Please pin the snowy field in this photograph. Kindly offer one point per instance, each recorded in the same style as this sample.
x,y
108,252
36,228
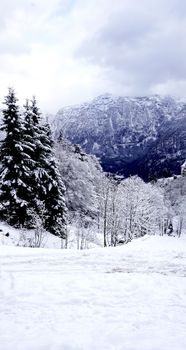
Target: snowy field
x,y
126,298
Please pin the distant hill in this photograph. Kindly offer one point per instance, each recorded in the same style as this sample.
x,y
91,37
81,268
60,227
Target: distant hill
x,y
141,135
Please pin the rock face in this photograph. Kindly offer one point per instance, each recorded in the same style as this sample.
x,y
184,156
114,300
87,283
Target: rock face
x,y
141,135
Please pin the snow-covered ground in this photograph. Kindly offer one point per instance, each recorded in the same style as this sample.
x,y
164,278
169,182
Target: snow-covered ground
x,y
26,238
131,297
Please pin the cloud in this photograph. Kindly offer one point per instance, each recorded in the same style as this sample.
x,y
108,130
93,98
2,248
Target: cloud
x,y
68,51
36,51
141,45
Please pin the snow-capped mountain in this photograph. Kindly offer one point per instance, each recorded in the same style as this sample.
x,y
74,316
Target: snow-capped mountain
x,y
140,135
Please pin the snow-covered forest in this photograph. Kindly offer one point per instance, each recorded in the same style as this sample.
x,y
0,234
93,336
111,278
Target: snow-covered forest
x,y
55,187
128,292
108,210
31,189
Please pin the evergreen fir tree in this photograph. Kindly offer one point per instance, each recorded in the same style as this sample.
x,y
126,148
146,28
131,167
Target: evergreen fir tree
x,y
29,128
40,154
30,183
29,140
15,167
36,115
53,190
49,188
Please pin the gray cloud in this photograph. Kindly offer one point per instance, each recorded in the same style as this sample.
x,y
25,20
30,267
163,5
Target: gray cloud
x,y
68,51
141,46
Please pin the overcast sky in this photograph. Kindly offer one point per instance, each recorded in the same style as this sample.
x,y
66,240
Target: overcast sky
x,y
69,51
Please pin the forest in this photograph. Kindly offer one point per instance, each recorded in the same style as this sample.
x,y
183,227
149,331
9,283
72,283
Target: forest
x,y
54,186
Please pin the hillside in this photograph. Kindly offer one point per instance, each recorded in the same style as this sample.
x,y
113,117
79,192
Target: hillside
x,y
126,298
139,135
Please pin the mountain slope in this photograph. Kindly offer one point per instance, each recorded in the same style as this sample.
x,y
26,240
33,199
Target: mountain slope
x,y
123,132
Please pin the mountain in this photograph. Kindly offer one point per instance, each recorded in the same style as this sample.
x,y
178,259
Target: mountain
x,y
140,135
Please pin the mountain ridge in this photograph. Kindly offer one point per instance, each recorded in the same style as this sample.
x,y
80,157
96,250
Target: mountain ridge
x,y
123,131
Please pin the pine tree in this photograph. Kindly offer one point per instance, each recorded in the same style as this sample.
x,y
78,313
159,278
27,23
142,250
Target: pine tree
x,y
48,187
29,128
15,167
36,115
30,184
29,140
39,157
54,190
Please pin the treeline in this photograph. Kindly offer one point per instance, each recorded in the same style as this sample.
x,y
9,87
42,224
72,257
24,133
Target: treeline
x,y
105,210
31,188
109,210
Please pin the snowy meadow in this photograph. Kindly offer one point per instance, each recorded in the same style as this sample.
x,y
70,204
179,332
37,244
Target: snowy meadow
x,y
131,297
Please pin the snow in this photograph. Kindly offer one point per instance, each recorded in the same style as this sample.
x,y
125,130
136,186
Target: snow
x,y
131,297
17,237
